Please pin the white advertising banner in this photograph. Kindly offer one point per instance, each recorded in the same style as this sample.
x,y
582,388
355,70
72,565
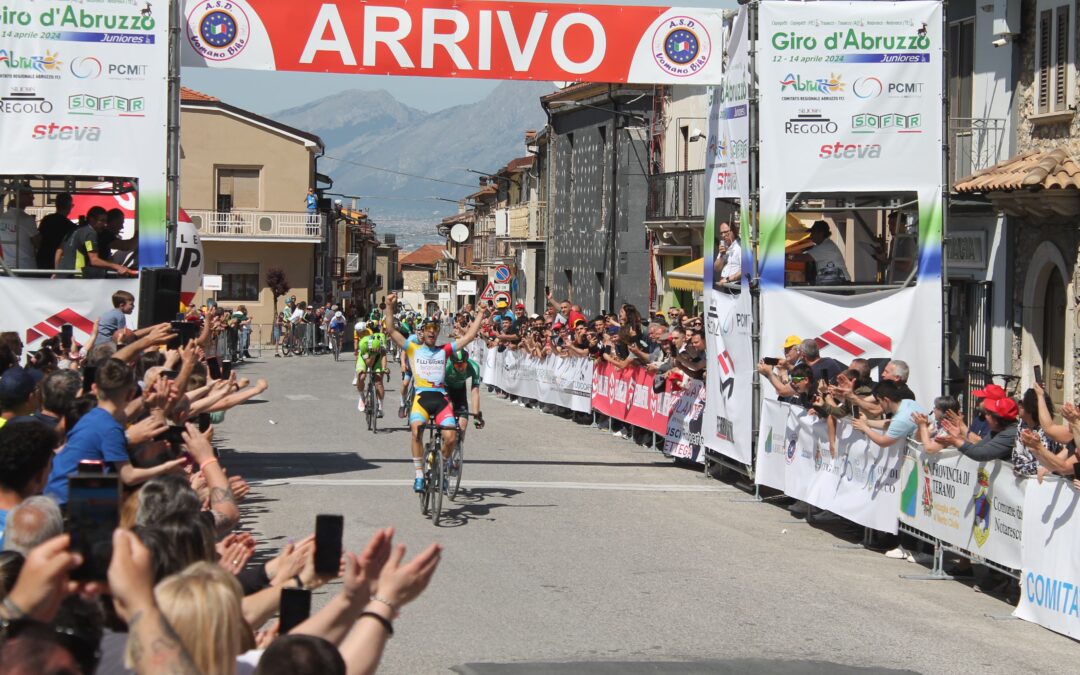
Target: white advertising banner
x,y
565,382
1050,579
861,483
973,506
777,440
37,308
83,92
728,418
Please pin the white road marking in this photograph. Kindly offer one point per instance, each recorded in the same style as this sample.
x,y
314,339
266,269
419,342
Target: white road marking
x,y
300,397
395,482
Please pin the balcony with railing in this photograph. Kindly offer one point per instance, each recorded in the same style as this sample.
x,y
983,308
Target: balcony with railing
x,y
258,225
676,198
430,289
975,143
538,222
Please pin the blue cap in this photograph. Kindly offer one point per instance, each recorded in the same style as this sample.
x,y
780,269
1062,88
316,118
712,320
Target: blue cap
x,y
18,383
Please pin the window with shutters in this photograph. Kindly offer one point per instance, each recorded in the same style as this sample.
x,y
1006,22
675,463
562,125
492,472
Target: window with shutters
x,y
239,281
238,189
1055,52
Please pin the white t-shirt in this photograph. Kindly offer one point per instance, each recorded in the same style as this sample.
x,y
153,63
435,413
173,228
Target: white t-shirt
x,y
17,230
831,267
297,316
733,265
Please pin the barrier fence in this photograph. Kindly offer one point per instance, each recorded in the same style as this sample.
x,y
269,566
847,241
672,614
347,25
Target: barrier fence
x,y
982,511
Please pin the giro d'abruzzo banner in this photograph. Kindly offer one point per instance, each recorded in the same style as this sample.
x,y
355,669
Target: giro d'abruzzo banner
x,y
565,382
1050,577
857,480
38,308
977,507
727,420
850,101
83,93
445,38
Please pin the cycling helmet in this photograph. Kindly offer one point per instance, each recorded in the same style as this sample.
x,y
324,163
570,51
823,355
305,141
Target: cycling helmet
x,y
459,356
375,316
429,321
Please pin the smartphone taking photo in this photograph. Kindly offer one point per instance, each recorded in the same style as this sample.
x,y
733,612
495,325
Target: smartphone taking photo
x,y
1038,376
295,608
93,513
328,532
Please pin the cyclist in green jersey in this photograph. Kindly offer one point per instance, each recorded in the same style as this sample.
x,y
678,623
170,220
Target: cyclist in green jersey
x,y
459,370
371,357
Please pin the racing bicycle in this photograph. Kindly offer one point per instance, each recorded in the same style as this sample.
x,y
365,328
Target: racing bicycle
x,y
371,401
434,473
292,342
335,343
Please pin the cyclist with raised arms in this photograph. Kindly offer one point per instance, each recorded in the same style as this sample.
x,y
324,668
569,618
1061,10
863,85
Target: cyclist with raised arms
x,y
371,358
459,371
429,373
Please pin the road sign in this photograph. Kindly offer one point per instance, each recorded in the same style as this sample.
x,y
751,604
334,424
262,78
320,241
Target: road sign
x,y
467,287
502,274
502,287
489,292
502,296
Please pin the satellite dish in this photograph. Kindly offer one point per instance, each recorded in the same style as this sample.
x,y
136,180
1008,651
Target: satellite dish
x,y
459,233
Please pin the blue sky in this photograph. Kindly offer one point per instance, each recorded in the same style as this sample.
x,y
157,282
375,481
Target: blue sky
x,y
268,92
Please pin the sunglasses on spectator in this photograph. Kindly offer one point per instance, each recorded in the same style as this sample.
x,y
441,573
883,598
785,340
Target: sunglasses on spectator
x,y
798,378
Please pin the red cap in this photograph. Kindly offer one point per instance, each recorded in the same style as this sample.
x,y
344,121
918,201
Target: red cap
x,y
990,392
519,306
1004,408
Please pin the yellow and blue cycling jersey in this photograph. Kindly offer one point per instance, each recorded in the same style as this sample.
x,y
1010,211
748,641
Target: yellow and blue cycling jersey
x,y
429,364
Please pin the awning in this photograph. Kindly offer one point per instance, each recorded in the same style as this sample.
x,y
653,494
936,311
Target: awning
x,y
688,277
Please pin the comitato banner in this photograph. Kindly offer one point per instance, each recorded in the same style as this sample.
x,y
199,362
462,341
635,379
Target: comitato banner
x,y
976,507
83,93
445,38
1050,579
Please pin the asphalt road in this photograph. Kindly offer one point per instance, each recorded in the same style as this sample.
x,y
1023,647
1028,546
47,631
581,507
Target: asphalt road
x,y
571,551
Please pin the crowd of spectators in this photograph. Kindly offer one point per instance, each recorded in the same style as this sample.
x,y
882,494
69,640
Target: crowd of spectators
x,y
670,345
178,591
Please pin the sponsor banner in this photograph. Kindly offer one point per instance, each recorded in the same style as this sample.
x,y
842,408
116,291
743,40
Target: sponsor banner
x,y
849,103
860,482
37,308
777,440
1050,578
904,323
83,91
973,506
727,425
727,422
626,394
559,381
683,437
442,38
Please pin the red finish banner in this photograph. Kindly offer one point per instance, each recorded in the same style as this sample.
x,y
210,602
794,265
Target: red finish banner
x,y
449,38
627,395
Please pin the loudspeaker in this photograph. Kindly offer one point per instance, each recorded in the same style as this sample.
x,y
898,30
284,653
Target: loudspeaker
x,y
159,295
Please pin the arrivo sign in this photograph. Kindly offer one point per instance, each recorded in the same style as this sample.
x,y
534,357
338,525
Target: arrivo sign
x,y
443,38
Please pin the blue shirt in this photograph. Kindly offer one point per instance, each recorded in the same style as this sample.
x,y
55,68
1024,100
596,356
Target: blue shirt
x,y
901,425
312,203
97,436
3,526
110,322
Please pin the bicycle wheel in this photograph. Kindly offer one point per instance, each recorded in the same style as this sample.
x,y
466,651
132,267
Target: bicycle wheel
x,y
369,413
336,345
438,472
458,460
374,408
285,347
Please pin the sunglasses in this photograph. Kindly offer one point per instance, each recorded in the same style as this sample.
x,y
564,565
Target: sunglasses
x,y
798,378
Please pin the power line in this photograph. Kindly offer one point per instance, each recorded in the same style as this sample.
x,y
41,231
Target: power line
x,y
399,173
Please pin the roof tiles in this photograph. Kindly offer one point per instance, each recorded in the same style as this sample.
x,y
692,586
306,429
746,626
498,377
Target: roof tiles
x,y
1033,170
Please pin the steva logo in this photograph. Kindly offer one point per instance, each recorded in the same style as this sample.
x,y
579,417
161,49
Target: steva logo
x,y
847,335
66,132
841,150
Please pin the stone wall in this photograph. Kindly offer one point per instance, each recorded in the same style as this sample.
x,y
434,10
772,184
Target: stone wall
x,y
1040,135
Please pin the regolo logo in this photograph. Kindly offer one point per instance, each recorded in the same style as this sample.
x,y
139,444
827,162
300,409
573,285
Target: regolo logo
x,y
841,150
66,132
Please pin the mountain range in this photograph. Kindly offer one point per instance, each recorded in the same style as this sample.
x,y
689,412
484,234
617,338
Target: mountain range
x,y
366,129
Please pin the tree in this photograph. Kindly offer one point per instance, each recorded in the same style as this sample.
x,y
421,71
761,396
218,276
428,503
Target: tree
x,y
279,286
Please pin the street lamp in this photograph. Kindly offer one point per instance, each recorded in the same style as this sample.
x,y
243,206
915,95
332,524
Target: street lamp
x,y
485,174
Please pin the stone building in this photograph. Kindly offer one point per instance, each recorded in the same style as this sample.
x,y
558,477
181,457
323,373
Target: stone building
x,y
1038,191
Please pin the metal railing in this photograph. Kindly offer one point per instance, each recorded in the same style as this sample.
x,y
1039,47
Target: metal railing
x,y
975,143
538,224
258,224
676,196
430,289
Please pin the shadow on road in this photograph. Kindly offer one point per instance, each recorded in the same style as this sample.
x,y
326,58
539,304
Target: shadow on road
x,y
472,504
534,462
269,465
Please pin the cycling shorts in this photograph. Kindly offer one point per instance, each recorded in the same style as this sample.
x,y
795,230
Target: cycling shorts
x,y
428,405
459,399
361,365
